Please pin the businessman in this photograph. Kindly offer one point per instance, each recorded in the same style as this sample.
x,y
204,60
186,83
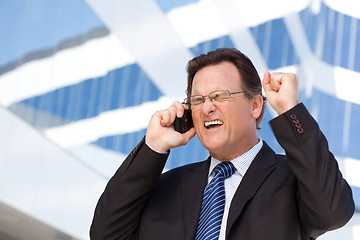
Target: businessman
x,y
243,190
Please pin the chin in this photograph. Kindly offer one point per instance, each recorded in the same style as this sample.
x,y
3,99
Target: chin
x,y
214,146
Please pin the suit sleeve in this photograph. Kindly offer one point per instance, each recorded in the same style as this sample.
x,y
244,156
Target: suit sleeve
x,y
324,197
117,214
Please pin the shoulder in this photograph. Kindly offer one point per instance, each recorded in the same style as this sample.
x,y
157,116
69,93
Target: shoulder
x,y
172,183
177,173
283,169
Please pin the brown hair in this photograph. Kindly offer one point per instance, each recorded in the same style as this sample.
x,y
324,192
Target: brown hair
x,y
251,82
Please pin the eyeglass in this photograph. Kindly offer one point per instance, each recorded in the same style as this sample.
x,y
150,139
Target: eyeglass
x,y
218,96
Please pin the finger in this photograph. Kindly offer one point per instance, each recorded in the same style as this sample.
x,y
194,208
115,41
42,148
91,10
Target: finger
x,y
292,77
186,106
162,116
179,108
275,85
171,115
276,80
166,116
189,135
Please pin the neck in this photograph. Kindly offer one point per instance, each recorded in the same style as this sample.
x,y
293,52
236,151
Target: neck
x,y
228,156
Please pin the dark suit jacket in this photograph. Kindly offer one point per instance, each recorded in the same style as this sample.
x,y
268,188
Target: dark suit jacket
x,y
297,196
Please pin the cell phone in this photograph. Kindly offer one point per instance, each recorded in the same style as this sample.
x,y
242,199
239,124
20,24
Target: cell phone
x,y
185,123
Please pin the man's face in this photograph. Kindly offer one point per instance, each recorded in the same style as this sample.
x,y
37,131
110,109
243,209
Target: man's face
x,y
233,122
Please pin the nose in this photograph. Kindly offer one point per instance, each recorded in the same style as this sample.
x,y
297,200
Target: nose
x,y
208,106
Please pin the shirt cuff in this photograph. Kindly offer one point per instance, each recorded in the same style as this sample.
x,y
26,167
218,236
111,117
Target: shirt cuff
x,y
154,149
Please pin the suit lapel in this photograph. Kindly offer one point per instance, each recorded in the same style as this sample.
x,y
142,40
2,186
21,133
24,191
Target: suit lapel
x,y
263,164
193,184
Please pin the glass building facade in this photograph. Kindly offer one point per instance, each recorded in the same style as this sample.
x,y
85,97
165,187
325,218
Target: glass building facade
x,y
85,77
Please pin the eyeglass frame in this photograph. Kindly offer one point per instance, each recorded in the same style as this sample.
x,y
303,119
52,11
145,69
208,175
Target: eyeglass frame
x,y
188,100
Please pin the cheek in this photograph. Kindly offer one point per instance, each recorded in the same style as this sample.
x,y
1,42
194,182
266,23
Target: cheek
x,y
196,119
238,117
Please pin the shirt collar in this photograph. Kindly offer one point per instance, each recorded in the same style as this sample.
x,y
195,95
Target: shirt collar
x,y
242,162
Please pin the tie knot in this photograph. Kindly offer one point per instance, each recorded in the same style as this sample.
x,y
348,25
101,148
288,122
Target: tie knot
x,y
224,169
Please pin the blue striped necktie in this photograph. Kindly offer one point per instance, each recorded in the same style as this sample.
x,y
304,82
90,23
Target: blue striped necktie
x,y
212,207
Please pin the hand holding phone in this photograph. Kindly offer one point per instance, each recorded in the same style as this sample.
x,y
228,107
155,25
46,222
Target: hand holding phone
x,y
184,123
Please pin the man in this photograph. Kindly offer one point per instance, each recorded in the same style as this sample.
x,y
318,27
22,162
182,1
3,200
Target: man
x,y
269,196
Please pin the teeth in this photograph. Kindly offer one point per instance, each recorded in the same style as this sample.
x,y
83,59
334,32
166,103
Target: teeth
x,y
210,123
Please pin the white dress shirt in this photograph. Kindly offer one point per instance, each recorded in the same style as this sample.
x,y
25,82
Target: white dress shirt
x,y
241,163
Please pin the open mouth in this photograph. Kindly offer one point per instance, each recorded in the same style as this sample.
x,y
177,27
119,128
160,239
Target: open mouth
x,y
212,124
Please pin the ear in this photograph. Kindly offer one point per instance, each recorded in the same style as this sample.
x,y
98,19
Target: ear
x,y
257,104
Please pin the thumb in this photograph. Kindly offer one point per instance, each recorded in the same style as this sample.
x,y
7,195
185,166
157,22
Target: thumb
x,y
188,135
266,81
